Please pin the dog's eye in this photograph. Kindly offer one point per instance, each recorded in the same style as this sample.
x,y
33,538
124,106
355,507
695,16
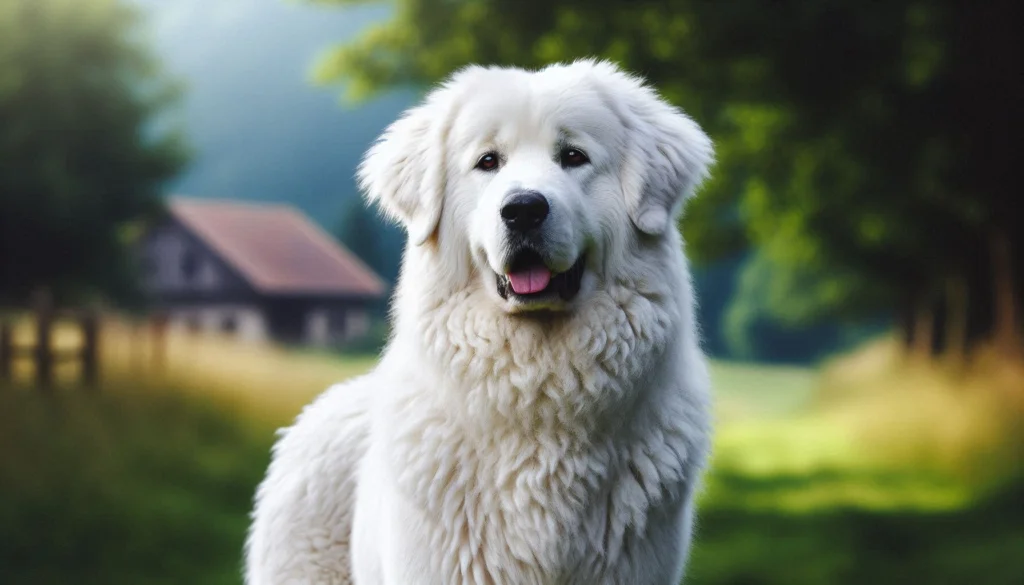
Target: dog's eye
x,y
487,162
573,157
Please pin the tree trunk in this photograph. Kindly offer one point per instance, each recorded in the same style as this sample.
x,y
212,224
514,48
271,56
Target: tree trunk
x,y
905,322
924,331
1006,333
956,318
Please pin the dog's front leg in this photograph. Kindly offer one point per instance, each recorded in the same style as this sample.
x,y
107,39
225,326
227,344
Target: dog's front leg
x,y
369,533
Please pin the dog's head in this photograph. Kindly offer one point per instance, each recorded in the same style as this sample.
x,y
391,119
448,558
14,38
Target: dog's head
x,y
536,185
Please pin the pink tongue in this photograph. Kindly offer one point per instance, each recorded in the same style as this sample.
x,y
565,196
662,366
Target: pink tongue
x,y
530,281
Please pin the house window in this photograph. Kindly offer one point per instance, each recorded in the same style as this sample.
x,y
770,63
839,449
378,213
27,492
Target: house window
x,y
340,323
149,267
189,265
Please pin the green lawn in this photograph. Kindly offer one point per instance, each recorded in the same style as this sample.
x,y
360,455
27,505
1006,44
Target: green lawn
x,y
130,489
755,391
152,485
979,544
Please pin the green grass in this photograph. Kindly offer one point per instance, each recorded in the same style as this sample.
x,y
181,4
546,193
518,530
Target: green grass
x,y
132,489
151,483
872,471
978,544
755,391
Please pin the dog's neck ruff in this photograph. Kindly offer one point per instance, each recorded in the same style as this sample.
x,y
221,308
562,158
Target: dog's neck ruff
x,y
563,408
557,371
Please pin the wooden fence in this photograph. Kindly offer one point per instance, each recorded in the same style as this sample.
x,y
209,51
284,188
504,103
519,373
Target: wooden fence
x,y
42,353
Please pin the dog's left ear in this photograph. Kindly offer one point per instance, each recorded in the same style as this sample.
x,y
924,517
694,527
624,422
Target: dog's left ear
x,y
404,171
669,155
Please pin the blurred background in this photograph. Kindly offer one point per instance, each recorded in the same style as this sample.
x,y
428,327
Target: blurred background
x,y
185,262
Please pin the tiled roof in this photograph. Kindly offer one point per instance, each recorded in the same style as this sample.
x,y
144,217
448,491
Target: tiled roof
x,y
277,249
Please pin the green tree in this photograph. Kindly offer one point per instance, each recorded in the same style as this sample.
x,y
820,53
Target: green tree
x,y
880,176
85,145
863,147
359,230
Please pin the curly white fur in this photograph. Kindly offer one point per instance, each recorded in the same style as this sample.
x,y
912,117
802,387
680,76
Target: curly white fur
x,y
489,446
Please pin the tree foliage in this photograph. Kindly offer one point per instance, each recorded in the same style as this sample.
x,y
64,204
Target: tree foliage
x,y
84,148
360,232
864,148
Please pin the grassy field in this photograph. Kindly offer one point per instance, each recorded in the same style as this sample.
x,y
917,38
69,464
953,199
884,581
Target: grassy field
x,y
123,489
867,471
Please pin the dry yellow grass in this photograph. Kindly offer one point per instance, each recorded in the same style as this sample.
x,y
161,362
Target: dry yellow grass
x,y
269,381
953,418
899,433
936,434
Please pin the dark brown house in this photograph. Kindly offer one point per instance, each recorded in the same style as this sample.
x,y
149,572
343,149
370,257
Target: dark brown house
x,y
258,271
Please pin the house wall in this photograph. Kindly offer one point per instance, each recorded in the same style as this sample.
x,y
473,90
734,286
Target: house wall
x,y
196,290
241,321
175,264
320,326
331,325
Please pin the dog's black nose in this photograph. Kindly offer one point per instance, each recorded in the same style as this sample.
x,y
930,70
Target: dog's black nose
x,y
525,210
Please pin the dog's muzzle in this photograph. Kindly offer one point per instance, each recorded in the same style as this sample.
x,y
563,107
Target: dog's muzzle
x,y
529,279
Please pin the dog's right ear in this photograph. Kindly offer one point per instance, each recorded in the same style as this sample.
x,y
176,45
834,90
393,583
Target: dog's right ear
x,y
404,172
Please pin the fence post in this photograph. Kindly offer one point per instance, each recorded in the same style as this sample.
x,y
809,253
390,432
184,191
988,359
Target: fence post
x,y
158,332
44,356
6,351
137,347
90,348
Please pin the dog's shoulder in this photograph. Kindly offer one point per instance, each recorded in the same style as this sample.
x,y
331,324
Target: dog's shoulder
x,y
304,505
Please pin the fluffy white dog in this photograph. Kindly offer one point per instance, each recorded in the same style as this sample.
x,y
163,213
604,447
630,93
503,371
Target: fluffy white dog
x,y
541,413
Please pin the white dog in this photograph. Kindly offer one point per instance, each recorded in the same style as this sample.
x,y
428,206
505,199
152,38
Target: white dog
x,y
541,413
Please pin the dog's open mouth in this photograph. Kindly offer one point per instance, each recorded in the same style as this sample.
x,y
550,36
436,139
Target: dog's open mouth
x,y
530,279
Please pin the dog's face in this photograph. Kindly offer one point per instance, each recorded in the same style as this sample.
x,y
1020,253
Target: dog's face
x,y
540,183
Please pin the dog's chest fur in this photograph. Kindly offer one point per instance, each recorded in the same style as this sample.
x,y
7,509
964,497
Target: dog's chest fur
x,y
590,435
